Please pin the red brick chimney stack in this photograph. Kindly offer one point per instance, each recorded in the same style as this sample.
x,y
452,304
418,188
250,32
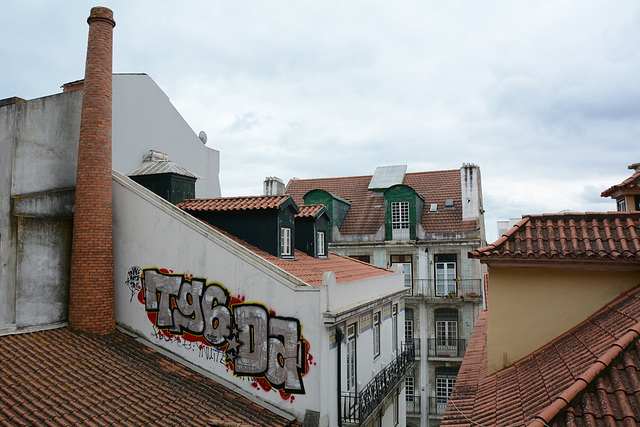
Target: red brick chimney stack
x,y
91,291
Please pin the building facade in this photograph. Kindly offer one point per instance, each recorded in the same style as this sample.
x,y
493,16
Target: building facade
x,y
423,224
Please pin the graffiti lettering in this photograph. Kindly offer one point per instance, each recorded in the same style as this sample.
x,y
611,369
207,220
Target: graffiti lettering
x,y
256,343
133,280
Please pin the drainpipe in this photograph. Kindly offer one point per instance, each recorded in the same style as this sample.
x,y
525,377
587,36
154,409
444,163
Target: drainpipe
x,y
339,337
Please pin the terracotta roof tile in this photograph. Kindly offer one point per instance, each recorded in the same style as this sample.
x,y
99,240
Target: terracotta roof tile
x,y
309,211
595,368
631,183
366,214
233,203
569,236
74,386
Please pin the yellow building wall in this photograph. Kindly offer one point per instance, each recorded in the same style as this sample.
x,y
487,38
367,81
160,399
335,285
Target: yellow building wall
x,y
528,307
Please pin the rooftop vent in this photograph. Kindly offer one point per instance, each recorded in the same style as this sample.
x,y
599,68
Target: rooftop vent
x,y
448,204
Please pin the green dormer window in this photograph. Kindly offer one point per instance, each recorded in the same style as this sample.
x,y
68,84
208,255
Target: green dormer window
x,y
403,211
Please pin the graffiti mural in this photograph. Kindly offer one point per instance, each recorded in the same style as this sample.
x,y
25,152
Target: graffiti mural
x,y
256,343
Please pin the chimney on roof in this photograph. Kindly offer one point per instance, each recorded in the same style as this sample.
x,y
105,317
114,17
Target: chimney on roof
x,y
471,193
273,186
91,289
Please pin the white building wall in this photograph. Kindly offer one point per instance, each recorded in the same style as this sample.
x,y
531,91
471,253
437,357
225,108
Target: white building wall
x,y
144,119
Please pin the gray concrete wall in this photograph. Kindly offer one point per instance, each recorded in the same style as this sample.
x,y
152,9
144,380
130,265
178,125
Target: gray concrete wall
x,y
38,157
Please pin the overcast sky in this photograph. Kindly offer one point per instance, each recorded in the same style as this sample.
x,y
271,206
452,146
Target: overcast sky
x,y
543,95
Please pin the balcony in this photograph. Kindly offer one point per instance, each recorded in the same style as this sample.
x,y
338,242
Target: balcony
x,y
444,347
437,405
454,289
357,407
413,405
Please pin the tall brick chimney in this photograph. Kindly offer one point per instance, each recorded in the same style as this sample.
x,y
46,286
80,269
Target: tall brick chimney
x,y
91,290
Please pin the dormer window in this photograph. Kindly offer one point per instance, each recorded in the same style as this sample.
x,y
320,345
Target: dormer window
x,y
448,204
400,220
622,204
320,243
285,241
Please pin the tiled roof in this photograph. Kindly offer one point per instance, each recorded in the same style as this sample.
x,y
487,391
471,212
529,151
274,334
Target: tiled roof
x,y
160,167
631,183
366,214
569,236
588,376
233,203
309,211
58,377
310,270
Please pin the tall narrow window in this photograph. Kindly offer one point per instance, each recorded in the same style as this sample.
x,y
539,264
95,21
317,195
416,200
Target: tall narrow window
x,y
407,267
445,274
394,326
351,357
400,220
396,410
446,332
408,325
409,387
376,334
445,380
285,241
320,243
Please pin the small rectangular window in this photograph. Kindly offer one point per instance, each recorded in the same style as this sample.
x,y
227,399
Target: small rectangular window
x,y
320,243
376,334
622,204
433,207
448,204
285,241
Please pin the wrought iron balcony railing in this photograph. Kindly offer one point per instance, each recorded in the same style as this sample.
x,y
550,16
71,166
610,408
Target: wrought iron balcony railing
x,y
357,406
413,404
437,405
445,347
456,289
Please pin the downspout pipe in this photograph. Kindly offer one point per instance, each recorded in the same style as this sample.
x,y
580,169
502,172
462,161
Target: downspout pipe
x,y
339,337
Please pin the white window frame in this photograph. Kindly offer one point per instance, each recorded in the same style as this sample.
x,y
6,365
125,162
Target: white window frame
x,y
285,241
622,204
408,330
445,278
400,221
410,390
444,387
396,410
351,357
447,337
376,335
320,242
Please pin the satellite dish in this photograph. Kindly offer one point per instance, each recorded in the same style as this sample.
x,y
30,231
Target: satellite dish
x,y
203,136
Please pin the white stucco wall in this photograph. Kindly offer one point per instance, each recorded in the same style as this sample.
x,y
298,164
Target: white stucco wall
x,y
144,119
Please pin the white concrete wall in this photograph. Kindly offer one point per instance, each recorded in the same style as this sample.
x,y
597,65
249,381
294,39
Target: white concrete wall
x,y
144,119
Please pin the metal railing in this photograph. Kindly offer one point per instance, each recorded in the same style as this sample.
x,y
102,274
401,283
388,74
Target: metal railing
x,y
445,347
413,404
357,406
437,405
456,289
